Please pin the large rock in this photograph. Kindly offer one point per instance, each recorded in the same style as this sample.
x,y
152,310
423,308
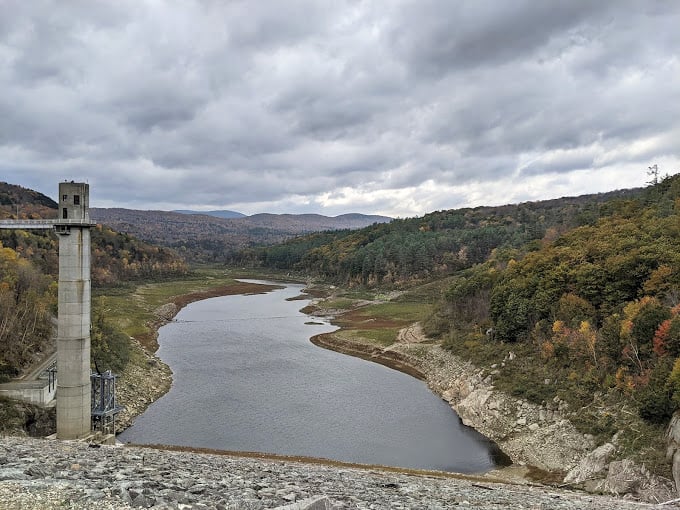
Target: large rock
x,y
592,466
315,503
673,451
625,477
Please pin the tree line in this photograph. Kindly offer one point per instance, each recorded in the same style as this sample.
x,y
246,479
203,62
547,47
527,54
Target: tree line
x,y
418,249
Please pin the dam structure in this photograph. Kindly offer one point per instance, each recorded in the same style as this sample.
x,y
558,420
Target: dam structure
x,y
73,325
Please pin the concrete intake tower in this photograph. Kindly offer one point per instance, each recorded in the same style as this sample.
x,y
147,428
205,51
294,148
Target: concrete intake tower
x,y
73,331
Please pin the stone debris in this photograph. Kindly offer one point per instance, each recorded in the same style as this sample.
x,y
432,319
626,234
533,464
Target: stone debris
x,y
47,474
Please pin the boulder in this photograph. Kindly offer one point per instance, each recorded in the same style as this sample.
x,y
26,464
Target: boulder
x,y
592,466
315,503
624,477
673,451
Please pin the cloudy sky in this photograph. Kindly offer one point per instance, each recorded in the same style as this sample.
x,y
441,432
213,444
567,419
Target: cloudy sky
x,y
381,107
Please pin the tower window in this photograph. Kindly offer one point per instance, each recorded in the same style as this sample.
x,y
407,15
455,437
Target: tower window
x,y
64,213
64,197
76,199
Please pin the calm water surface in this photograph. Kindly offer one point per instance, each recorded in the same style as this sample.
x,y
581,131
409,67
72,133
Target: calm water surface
x,y
247,378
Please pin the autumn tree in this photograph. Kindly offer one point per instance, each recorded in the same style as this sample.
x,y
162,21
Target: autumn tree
x,y
26,299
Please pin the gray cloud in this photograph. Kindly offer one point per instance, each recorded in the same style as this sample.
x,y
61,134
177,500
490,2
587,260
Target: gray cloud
x,y
396,107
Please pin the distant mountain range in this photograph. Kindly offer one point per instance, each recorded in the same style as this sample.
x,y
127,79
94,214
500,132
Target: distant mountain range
x,y
204,236
222,213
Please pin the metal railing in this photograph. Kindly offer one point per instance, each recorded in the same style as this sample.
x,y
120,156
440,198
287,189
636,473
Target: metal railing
x,y
43,224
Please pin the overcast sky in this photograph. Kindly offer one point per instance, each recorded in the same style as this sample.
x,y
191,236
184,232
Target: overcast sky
x,y
381,107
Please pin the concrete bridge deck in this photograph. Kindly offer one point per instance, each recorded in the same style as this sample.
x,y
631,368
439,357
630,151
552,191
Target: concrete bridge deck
x,y
40,389
43,224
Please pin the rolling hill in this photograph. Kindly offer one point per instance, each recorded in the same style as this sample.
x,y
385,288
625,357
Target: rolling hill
x,y
222,213
209,238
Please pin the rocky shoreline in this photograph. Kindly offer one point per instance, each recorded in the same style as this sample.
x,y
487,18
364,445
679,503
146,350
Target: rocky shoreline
x,y
539,437
48,474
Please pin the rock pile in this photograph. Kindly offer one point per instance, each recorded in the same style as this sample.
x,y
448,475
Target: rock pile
x,y
46,474
140,385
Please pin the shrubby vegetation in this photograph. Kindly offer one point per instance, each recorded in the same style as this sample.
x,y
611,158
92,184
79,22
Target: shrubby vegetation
x,y
110,346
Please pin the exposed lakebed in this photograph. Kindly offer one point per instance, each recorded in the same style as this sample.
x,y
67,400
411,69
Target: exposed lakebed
x,y
247,378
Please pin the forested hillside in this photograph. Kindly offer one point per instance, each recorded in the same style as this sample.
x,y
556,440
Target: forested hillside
x,y
585,291
437,244
597,306
115,257
27,301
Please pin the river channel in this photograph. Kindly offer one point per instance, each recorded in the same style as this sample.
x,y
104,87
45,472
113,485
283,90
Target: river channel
x,y
247,378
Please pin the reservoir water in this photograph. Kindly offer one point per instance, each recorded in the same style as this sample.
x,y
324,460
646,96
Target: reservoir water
x,y
247,378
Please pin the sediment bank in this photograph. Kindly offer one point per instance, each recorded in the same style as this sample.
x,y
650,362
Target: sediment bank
x,y
392,359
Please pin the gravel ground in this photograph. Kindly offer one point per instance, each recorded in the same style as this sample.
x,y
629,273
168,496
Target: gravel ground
x,y
47,474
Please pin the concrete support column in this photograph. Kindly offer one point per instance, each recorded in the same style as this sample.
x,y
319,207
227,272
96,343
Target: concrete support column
x,y
73,335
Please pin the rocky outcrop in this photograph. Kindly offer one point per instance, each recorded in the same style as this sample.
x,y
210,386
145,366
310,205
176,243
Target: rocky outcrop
x,y
540,436
592,465
166,312
598,473
673,451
